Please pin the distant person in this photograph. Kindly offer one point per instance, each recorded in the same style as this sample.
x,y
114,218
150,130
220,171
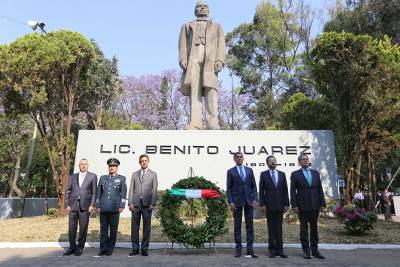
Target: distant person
x,y
359,199
387,204
80,198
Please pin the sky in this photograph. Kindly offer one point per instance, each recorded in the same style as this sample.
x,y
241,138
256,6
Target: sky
x,y
142,34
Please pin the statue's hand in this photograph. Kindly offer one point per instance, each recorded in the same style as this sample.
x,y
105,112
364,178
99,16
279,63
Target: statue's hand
x,y
183,64
218,66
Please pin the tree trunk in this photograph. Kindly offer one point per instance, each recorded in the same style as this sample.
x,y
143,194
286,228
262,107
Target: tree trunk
x,y
371,181
17,171
27,172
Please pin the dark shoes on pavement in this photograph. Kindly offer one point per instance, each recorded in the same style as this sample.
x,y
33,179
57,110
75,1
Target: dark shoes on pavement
x,y
272,254
69,252
306,254
251,254
145,253
318,255
136,252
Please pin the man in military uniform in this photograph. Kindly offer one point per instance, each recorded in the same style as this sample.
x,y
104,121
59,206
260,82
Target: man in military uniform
x,y
110,202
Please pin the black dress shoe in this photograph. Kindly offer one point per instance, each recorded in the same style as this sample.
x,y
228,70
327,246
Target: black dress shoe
x,y
101,253
317,255
69,252
306,254
78,252
238,254
251,254
145,253
271,254
108,253
134,252
282,254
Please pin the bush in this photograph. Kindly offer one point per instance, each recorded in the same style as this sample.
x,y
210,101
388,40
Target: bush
x,y
356,221
291,216
52,213
331,204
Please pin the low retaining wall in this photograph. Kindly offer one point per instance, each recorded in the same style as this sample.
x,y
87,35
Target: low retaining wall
x,y
33,207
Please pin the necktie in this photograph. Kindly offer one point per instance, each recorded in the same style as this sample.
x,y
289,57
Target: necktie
x,y
141,176
275,178
308,176
242,173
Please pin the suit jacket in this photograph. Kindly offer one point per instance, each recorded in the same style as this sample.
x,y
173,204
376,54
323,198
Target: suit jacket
x,y
303,196
275,198
111,193
238,192
86,194
215,51
147,189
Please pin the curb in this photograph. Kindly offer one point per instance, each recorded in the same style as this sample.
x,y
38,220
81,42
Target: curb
x,y
154,246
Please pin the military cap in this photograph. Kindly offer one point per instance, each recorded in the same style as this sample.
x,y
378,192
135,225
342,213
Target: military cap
x,y
113,161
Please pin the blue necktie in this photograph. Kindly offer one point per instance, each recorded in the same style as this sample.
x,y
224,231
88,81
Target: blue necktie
x,y
308,176
242,173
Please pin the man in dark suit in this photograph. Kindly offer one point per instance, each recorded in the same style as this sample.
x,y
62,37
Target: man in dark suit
x,y
274,199
79,199
307,199
142,199
110,202
241,191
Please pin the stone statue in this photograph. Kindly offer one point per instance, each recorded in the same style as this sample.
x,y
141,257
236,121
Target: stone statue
x,y
201,57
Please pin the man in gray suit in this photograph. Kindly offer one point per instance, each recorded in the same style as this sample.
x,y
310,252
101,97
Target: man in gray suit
x,y
80,197
142,200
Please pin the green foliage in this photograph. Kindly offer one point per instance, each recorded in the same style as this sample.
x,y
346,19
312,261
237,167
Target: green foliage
x,y
373,17
196,235
360,77
303,113
265,55
291,217
53,213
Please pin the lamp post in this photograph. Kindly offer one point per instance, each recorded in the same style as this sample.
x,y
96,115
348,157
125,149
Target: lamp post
x,y
37,24
232,106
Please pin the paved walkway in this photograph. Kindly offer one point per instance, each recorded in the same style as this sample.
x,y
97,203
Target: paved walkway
x,y
52,257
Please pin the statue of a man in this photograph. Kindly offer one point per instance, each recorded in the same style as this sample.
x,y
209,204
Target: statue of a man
x,y
201,57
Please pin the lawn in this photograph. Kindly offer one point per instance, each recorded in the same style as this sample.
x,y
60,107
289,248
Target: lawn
x,y
47,229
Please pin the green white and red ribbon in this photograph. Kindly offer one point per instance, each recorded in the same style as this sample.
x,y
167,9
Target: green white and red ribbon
x,y
194,193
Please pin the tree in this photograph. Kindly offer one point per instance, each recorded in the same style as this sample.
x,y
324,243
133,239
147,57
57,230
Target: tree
x,y
374,17
266,53
104,86
45,76
153,101
303,113
360,77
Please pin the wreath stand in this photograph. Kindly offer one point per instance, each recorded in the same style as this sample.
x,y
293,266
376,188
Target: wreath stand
x,y
211,245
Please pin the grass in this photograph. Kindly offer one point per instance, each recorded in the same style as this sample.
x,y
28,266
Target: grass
x,y
45,229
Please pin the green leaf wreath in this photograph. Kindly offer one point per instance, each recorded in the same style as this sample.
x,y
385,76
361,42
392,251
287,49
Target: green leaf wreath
x,y
193,235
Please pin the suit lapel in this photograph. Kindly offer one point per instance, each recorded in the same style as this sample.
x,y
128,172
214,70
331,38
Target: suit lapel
x,y
77,179
305,178
235,170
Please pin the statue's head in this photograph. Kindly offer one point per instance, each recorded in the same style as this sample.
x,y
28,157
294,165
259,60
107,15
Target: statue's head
x,y
201,10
